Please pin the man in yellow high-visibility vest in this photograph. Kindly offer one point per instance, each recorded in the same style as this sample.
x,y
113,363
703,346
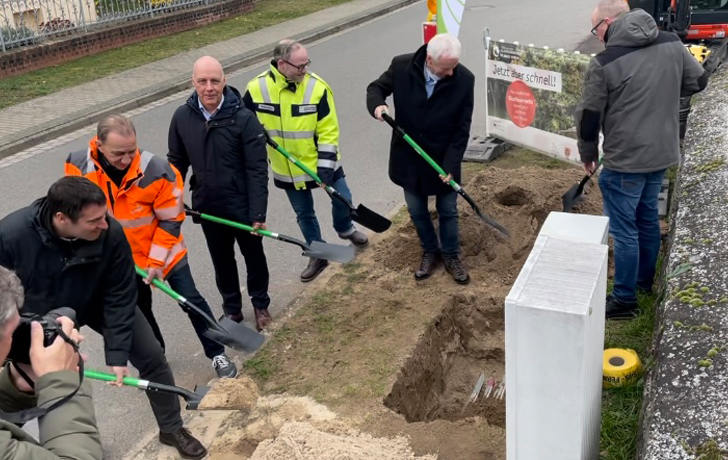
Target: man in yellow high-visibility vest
x,y
297,110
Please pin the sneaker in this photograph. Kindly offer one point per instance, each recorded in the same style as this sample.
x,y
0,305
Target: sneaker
x,y
620,310
225,368
359,239
455,267
186,444
314,268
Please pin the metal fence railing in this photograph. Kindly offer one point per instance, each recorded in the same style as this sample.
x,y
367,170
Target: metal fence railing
x,y
24,22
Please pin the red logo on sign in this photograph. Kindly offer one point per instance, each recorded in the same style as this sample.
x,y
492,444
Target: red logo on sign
x,y
521,104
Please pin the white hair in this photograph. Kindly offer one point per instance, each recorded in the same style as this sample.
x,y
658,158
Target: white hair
x,y
443,46
11,296
611,8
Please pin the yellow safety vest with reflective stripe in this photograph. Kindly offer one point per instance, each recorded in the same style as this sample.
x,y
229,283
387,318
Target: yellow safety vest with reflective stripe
x,y
302,119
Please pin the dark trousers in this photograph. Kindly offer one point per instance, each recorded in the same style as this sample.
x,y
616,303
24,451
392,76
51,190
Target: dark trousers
x,y
447,210
221,243
181,281
146,355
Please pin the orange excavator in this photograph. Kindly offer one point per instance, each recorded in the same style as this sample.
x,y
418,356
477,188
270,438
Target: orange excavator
x,y
702,25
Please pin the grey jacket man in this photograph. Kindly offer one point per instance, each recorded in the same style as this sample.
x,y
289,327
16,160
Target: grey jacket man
x,y
632,92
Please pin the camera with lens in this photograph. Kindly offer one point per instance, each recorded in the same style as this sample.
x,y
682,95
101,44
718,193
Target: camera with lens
x,y
20,349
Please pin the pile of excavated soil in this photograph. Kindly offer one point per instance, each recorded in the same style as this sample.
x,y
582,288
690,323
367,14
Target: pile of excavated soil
x,y
231,394
301,441
396,357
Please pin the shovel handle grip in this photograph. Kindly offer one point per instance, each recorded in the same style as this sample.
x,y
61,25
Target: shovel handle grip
x,y
292,159
106,377
418,149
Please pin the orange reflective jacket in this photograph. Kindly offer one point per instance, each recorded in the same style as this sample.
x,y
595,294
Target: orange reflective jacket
x,y
149,204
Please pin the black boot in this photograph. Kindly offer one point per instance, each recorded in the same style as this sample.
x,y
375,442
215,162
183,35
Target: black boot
x,y
186,444
455,267
620,310
314,268
427,265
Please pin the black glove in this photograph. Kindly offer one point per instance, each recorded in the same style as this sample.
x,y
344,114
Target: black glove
x,y
326,175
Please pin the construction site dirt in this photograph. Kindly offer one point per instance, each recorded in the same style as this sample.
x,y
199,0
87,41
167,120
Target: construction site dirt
x,y
383,366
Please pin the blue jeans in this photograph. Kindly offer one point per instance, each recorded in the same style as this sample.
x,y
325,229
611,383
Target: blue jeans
x,y
302,202
447,211
181,281
630,202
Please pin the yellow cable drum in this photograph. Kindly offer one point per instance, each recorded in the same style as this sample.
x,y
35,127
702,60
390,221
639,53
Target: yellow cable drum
x,y
621,367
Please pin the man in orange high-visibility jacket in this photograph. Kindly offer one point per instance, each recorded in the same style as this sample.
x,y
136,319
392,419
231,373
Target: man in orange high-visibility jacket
x,y
145,194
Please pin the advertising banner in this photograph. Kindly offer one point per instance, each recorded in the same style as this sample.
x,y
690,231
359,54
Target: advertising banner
x,y
532,94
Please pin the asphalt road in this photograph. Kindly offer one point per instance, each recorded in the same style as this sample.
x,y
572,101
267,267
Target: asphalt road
x,y
348,61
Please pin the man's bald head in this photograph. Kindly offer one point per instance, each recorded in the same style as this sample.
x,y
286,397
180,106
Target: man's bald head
x,y
605,13
209,80
207,63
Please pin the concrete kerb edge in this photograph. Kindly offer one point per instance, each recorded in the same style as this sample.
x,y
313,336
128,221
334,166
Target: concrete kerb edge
x,y
178,84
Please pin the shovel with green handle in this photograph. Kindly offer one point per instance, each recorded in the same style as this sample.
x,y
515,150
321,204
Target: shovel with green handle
x,y
226,332
317,249
192,398
361,214
461,191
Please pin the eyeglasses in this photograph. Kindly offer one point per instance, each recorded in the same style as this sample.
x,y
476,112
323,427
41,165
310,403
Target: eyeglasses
x,y
594,29
301,67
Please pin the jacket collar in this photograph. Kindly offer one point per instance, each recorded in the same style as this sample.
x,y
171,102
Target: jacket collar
x,y
230,104
133,173
281,81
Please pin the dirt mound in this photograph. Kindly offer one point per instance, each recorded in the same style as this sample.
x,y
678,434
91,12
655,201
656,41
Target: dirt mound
x,y
399,358
519,199
231,394
301,441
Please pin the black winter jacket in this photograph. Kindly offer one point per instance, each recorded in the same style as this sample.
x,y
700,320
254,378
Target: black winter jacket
x,y
440,124
94,278
228,158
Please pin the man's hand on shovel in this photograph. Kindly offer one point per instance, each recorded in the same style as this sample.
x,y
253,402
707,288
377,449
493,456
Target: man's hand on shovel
x,y
154,272
259,226
379,111
446,179
590,167
120,372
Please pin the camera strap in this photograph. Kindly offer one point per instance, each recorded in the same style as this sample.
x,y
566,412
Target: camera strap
x,y
24,416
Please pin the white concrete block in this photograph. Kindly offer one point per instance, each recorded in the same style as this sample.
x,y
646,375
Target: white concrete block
x,y
554,332
576,227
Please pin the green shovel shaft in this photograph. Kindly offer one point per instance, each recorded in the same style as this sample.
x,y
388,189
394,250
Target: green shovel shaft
x,y
158,283
231,223
130,381
422,153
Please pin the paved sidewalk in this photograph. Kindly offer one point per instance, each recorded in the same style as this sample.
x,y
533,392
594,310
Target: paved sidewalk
x,y
38,120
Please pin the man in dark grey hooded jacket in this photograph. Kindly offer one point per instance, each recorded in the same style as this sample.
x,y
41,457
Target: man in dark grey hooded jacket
x,y
631,93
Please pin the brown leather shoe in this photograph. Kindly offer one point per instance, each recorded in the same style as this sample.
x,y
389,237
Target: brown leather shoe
x,y
237,317
427,265
186,444
455,267
314,268
262,318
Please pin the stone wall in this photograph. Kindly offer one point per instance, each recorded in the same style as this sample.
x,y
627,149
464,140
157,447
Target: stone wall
x,y
685,411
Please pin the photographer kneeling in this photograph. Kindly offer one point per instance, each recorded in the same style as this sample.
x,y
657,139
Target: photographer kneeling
x,y
67,431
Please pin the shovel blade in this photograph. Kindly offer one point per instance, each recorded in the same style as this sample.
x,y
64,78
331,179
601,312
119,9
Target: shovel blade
x,y
332,252
194,398
572,197
234,335
370,219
